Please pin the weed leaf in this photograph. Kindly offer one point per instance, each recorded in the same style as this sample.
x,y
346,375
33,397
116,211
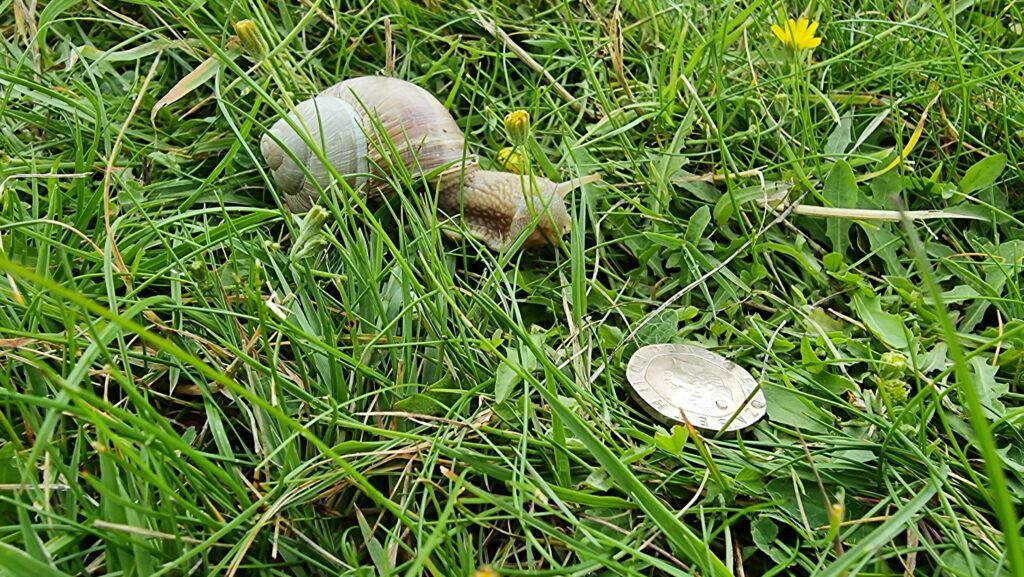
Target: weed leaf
x,y
983,174
840,190
887,327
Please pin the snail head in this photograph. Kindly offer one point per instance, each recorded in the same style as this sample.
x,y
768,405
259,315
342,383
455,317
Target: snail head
x,y
546,202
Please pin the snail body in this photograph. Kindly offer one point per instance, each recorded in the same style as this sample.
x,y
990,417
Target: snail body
x,y
365,126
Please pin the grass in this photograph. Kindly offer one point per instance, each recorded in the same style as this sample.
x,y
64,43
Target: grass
x,y
185,392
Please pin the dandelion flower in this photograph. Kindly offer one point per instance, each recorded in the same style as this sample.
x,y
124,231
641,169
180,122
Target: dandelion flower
x,y
797,35
518,125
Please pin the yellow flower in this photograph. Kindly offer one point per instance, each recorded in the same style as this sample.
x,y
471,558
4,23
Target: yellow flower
x,y
798,35
518,125
512,160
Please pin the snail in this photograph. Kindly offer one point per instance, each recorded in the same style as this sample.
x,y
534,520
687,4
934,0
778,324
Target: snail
x,y
361,123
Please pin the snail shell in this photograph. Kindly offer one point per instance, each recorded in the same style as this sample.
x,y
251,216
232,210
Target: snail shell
x,y
334,126
369,127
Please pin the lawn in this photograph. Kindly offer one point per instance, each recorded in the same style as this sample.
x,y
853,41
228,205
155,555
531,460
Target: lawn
x,y
196,381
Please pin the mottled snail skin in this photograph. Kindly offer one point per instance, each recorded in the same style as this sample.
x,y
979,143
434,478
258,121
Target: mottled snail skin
x,y
500,210
361,123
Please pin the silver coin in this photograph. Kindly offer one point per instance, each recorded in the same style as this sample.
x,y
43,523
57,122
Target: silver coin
x,y
679,383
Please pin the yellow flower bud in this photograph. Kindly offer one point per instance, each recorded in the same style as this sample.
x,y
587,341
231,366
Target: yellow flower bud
x,y
512,160
251,39
838,511
518,125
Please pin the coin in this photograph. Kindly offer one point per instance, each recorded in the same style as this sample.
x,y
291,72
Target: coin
x,y
679,383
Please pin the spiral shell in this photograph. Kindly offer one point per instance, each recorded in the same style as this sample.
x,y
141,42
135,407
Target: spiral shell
x,y
406,126
371,128
366,126
331,124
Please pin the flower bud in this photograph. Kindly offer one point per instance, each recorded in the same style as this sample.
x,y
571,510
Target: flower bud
x,y
512,160
836,514
251,39
897,361
310,239
894,391
517,124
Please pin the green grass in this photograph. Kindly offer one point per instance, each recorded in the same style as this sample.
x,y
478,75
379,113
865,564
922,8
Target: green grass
x,y
180,394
